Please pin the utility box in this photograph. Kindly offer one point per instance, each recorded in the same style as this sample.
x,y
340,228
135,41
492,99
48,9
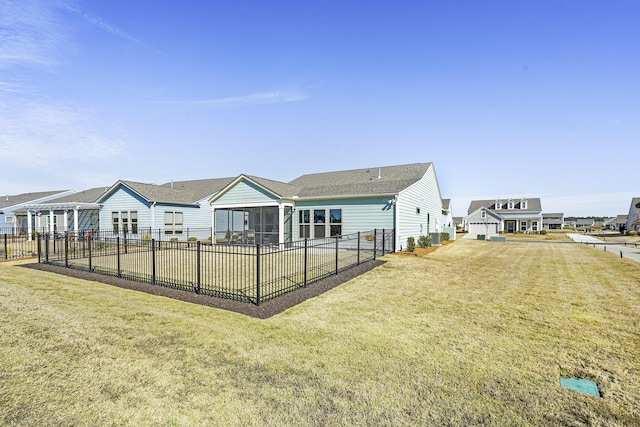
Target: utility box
x,y
480,237
498,239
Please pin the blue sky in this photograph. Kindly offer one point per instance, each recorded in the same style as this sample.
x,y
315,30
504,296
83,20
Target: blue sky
x,y
506,98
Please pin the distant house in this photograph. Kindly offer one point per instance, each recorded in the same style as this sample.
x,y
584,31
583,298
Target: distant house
x,y
633,219
620,222
74,212
11,221
584,222
491,217
447,214
405,198
553,221
175,210
458,221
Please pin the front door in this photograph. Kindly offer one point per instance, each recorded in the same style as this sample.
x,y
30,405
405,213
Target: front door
x,y
511,227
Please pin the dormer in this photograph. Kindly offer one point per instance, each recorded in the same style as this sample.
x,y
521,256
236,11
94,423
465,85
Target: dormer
x,y
510,204
498,204
523,203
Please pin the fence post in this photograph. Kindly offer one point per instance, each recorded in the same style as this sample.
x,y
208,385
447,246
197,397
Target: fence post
x,y
153,261
383,237
124,233
198,265
90,260
394,240
118,255
337,255
358,248
304,280
258,274
46,248
39,248
6,249
66,250
375,242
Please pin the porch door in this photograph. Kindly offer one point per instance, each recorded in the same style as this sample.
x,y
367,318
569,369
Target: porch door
x,y
511,226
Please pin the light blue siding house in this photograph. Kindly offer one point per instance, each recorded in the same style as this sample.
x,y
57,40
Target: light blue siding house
x,y
75,212
13,218
405,198
173,210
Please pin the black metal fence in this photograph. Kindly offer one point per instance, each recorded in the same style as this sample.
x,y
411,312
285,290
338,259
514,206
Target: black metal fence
x,y
253,274
16,245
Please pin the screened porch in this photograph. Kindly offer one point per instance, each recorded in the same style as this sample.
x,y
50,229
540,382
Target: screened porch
x,y
263,225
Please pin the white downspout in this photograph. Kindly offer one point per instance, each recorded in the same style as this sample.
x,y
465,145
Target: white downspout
x,y
281,223
29,227
397,221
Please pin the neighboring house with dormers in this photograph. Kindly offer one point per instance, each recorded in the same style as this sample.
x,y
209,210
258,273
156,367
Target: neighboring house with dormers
x,y
172,210
633,218
11,205
490,217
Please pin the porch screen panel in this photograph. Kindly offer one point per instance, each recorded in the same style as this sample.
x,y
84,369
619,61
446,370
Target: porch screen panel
x,y
319,221
304,223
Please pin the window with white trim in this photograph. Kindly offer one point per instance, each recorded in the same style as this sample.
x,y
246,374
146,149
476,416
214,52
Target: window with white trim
x,y
483,214
173,222
304,221
523,204
319,221
498,204
124,221
510,204
523,225
534,225
335,222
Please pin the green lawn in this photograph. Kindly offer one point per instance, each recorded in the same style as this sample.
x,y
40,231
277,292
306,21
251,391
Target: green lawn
x,y
475,333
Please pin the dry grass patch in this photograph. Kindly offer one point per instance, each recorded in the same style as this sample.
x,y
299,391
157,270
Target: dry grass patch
x,y
472,334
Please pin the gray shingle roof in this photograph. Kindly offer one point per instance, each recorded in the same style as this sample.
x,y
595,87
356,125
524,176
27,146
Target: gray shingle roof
x,y
533,205
200,188
160,194
282,189
25,198
86,196
384,180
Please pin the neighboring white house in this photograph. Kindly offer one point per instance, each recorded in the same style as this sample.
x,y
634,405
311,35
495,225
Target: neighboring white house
x,y
491,217
633,219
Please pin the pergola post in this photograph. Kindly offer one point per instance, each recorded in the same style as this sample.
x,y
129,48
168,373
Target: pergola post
x,y
29,227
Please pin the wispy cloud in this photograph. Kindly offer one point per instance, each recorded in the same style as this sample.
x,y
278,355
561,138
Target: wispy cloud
x,y
103,25
274,97
42,135
30,34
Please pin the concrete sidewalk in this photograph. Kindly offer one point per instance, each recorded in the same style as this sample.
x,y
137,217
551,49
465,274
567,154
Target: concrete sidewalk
x,y
630,251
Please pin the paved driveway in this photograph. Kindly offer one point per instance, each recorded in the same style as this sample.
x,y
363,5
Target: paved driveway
x,y
630,251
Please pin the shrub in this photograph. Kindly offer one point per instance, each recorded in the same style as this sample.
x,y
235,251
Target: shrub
x,y
543,232
444,236
192,239
146,238
173,239
633,233
424,241
411,244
